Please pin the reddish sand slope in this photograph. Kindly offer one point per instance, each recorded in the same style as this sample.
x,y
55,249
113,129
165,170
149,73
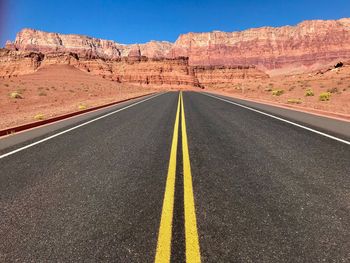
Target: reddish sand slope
x,y
55,90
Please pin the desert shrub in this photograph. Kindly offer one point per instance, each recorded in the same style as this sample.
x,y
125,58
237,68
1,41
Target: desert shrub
x,y
309,93
291,88
42,93
277,92
325,96
16,95
82,106
39,117
294,101
6,85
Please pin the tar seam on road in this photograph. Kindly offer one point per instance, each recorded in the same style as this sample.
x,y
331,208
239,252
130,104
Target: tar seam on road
x,y
191,233
75,127
164,246
281,119
165,229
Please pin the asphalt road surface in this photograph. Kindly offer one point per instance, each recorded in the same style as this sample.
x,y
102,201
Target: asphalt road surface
x,y
173,178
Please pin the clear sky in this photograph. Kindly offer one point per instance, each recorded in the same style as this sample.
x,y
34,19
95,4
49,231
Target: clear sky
x,y
140,21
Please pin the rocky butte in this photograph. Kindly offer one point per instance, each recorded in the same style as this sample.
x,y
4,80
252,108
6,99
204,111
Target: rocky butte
x,y
195,59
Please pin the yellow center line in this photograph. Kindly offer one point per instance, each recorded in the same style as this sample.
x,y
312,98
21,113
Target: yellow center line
x,y
165,229
163,253
191,233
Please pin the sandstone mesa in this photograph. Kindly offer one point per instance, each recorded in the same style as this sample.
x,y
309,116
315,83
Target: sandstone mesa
x,y
195,59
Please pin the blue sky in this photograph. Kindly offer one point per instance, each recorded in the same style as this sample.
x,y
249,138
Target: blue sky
x,y
141,21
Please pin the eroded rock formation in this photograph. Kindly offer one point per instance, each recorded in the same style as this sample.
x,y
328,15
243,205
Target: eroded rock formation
x,y
212,75
309,43
269,48
142,70
134,69
194,59
14,63
84,46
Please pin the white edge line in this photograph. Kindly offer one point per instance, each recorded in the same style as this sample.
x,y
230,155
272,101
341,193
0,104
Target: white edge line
x,y
75,127
281,119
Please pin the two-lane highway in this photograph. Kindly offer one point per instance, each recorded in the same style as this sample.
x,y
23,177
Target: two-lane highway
x,y
173,178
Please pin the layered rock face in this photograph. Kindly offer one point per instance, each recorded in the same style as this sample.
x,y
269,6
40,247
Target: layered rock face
x,y
14,63
136,63
309,43
212,75
134,69
269,48
194,59
84,46
157,72
143,71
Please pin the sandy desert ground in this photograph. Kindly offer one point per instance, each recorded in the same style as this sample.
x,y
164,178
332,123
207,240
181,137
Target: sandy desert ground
x,y
294,89
56,90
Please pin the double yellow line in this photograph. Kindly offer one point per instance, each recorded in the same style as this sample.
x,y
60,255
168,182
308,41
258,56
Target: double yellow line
x,y
163,253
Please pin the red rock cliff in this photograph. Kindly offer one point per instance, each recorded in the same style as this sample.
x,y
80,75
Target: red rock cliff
x,y
134,69
215,75
84,46
269,48
305,45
